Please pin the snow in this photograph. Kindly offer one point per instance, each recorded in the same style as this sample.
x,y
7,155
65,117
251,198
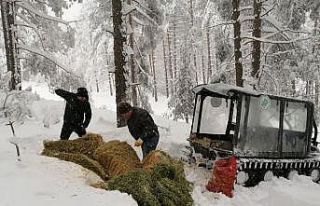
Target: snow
x,y
38,180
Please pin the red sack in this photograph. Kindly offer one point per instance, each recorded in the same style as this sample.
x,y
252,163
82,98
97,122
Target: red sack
x,y
223,176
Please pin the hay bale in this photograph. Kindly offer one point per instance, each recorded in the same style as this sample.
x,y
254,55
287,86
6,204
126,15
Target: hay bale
x,y
170,185
160,182
85,145
172,193
137,183
156,157
114,157
117,158
163,184
168,171
82,160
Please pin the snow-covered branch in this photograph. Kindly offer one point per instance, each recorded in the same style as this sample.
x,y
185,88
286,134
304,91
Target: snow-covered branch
x,y
27,6
146,8
109,30
138,21
45,55
146,15
264,40
275,83
268,10
141,69
127,9
245,8
221,24
281,52
272,21
34,27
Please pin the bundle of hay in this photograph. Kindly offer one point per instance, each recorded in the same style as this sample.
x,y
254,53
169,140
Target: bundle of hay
x,y
105,159
117,158
82,160
161,185
156,157
158,180
137,183
85,145
170,185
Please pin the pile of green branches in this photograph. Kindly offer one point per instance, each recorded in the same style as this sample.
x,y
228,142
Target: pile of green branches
x,y
163,185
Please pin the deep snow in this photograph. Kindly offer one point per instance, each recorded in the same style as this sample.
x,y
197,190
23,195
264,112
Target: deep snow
x,y
39,180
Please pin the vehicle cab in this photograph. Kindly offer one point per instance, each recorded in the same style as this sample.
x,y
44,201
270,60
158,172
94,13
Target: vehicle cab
x,y
233,120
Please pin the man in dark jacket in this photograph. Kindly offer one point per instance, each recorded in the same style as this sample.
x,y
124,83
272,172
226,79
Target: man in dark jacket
x,y
77,113
141,126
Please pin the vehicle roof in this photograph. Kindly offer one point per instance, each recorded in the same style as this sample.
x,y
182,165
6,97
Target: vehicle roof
x,y
227,90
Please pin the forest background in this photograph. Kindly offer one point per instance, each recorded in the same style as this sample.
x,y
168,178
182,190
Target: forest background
x,y
142,49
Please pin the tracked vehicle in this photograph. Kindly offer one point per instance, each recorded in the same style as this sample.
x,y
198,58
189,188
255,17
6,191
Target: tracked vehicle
x,y
269,135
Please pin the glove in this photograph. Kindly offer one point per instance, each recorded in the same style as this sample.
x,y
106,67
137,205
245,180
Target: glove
x,y
138,143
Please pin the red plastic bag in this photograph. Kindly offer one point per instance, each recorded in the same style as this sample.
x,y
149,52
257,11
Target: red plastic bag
x,y
223,176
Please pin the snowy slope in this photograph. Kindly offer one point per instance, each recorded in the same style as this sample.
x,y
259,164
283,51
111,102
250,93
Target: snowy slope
x,y
39,180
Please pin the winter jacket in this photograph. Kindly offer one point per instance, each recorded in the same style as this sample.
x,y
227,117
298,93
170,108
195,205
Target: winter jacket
x,y
76,112
141,125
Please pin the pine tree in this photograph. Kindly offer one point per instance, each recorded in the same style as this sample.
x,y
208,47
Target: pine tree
x,y
182,100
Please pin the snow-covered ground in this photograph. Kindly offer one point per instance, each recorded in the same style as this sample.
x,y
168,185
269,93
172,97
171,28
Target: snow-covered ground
x,y
37,180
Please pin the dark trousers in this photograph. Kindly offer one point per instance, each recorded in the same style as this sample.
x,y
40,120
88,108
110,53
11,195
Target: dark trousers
x,y
149,145
68,128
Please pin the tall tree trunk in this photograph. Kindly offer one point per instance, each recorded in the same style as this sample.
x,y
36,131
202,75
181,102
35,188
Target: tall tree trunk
x,y
193,42
293,87
108,64
10,40
154,75
97,81
203,69
170,63
195,65
209,72
110,83
256,47
134,95
17,51
186,117
317,90
317,80
175,69
151,70
237,42
165,68
119,57
191,12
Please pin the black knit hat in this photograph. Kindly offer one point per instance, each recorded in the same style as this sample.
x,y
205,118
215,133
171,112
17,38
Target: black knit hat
x,y
124,107
82,92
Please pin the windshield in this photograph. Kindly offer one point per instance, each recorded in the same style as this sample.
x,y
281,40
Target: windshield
x,y
214,115
259,125
294,127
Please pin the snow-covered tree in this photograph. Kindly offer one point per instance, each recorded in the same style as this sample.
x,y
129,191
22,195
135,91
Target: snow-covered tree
x,y
182,101
35,32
